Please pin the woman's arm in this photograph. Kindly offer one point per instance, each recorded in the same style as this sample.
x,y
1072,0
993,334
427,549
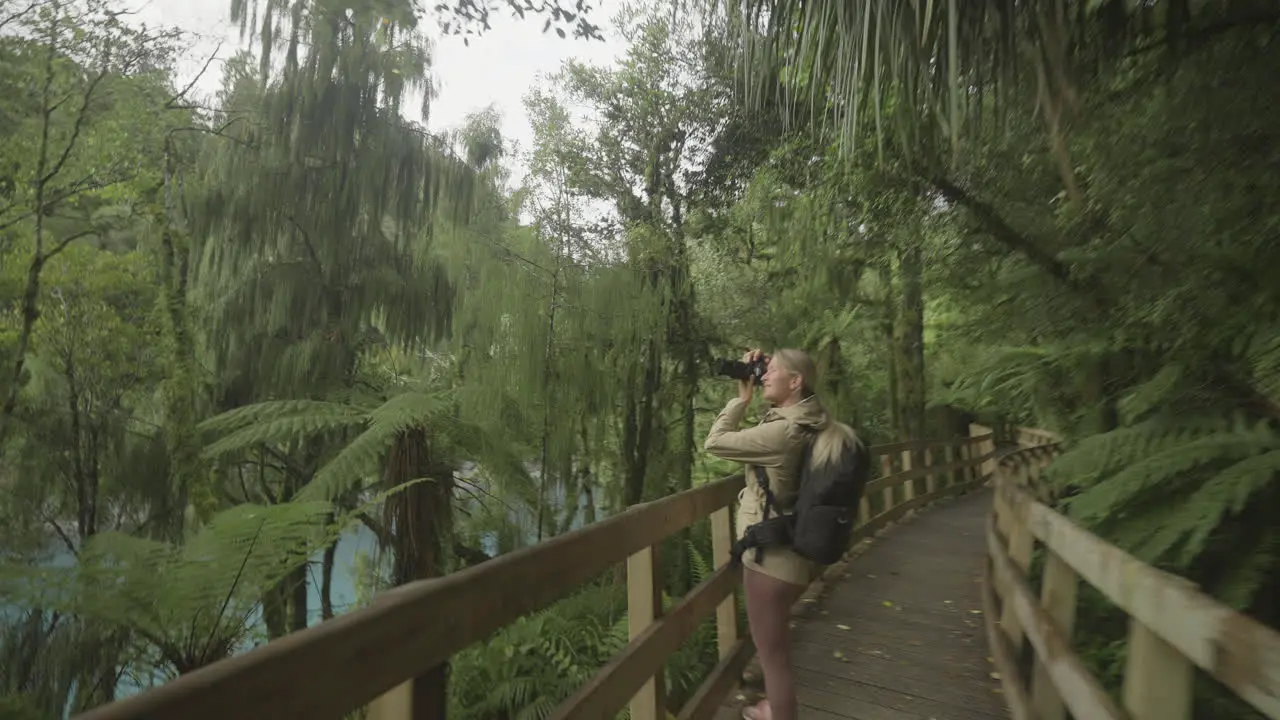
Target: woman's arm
x,y
764,445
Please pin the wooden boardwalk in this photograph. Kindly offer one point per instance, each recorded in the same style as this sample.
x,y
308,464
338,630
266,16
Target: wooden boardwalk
x,y
900,635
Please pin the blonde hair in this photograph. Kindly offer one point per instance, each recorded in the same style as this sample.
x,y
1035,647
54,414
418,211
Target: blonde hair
x,y
799,362
832,438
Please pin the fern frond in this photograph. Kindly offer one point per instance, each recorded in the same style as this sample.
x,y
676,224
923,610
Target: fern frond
x,y
277,410
1099,455
1151,394
363,455
1247,571
697,563
1198,515
289,428
204,588
1110,498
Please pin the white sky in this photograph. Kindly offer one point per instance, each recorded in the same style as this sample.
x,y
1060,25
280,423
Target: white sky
x,y
497,68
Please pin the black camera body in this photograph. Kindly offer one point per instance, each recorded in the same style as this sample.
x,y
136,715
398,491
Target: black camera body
x,y
739,370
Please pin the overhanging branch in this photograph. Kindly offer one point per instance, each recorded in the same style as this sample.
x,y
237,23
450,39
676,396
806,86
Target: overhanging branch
x,y
1002,231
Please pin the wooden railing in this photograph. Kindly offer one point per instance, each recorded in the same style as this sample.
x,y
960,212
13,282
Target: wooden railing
x,y
1173,627
370,657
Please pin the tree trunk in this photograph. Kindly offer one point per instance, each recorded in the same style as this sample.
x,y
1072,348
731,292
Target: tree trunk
x,y
274,611
638,437
326,576
419,520
298,587
908,337
831,374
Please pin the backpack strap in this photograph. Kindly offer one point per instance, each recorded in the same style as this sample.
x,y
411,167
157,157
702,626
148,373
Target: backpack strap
x,y
762,480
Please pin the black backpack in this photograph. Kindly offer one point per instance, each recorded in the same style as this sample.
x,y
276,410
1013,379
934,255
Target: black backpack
x,y
826,507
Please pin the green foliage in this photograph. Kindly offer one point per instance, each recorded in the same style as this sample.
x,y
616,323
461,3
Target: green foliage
x,y
538,661
191,602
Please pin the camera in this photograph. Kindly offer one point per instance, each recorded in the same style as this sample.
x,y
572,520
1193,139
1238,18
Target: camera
x,y
739,370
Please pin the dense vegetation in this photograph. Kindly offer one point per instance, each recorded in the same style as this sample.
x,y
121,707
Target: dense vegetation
x,y
238,332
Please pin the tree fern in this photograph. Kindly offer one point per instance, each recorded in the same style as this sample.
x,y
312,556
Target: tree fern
x,y
1151,394
698,564
247,415
192,601
1183,494
1161,471
1250,569
281,430
1093,457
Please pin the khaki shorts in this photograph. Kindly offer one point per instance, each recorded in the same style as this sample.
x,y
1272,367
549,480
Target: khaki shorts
x,y
778,562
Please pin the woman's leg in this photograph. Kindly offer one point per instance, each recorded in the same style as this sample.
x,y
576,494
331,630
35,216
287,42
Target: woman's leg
x,y
769,617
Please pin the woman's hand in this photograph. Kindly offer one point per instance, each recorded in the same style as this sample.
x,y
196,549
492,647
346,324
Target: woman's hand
x,y
747,387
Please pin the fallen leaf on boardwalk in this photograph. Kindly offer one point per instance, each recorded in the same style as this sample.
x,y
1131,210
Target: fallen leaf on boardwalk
x,y
995,676
888,604
740,696
842,626
873,577
991,660
975,612
837,655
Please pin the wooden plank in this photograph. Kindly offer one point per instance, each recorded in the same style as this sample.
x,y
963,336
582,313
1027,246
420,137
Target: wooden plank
x,y
1157,678
915,658
1002,654
644,605
727,611
889,479
909,486
1083,694
1058,590
353,658
1020,547
1237,650
897,447
396,704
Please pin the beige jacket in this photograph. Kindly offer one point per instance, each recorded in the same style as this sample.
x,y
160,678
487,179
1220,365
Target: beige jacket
x,y
777,444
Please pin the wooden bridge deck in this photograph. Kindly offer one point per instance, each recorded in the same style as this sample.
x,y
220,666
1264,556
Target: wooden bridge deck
x,y
900,635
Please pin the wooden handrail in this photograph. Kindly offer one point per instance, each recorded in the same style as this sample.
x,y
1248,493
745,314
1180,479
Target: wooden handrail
x,y
1173,626
370,656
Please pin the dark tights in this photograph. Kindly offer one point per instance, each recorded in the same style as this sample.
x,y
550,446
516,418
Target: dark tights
x,y
769,603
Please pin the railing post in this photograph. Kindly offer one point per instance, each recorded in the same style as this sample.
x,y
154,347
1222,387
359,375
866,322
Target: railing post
x,y
886,469
988,447
1020,546
395,704
644,605
1058,597
930,480
1157,678
726,611
908,487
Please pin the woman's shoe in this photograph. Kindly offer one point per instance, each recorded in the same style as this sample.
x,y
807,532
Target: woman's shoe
x,y
759,711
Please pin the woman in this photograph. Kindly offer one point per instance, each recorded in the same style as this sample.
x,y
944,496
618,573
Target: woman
x,y
778,446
